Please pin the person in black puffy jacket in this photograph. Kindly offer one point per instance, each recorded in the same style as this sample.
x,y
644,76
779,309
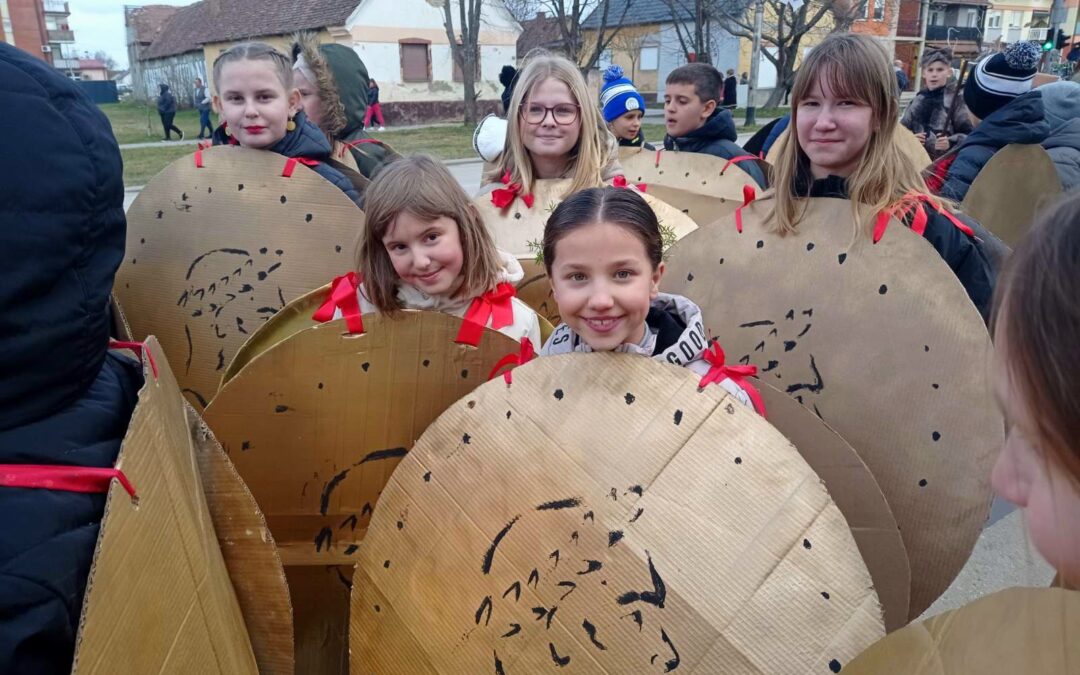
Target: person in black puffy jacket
x,y
64,398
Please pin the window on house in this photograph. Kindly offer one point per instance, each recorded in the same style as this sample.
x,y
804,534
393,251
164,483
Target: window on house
x,y
415,60
879,10
972,18
995,20
605,59
1040,19
937,17
1015,19
650,58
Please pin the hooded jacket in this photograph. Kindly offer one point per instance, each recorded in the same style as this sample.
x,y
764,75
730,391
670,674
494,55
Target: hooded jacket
x,y
526,323
716,137
929,113
638,142
674,333
966,256
1022,121
306,141
63,398
166,102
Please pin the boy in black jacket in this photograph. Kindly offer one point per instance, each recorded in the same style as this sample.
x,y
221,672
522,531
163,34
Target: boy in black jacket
x,y
694,121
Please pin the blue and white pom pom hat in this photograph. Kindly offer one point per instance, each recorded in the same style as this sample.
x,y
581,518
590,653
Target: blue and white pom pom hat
x,y
618,96
999,79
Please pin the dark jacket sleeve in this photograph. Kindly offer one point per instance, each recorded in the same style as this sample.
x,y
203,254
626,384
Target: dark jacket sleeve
x,y
966,257
969,161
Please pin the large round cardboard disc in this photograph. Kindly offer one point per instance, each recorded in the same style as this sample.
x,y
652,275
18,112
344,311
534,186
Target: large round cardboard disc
x,y
295,317
1009,190
857,495
212,252
1018,630
519,230
695,172
249,550
316,423
601,514
881,341
908,144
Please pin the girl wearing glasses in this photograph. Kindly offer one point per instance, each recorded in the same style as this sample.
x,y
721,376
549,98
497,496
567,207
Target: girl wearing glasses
x,y
554,131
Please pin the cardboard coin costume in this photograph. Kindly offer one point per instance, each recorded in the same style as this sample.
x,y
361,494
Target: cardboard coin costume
x,y
220,241
1009,190
516,223
1018,630
881,341
602,514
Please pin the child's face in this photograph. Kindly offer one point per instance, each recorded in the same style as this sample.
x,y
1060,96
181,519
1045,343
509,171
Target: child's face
x,y
603,282
1026,476
832,131
936,75
547,138
310,100
684,111
627,125
426,254
254,103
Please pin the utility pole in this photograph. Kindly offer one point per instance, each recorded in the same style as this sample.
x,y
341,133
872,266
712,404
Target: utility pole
x,y
755,60
924,19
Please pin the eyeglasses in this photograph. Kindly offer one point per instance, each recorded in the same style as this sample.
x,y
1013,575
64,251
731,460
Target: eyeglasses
x,y
563,114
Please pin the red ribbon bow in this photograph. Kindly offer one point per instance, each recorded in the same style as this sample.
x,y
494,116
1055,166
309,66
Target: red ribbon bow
x,y
521,358
504,197
290,165
749,194
621,182
496,304
916,201
67,478
718,370
140,350
343,297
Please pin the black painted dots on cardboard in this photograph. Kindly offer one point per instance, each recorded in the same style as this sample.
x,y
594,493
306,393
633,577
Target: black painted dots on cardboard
x,y
507,414
377,608
133,261
810,246
283,199
239,187
281,408
559,394
320,385
922,482
721,261
738,460
936,436
308,217
183,197
761,243
246,445
278,252
926,348
806,544
690,276
936,385
426,363
142,241
400,525
427,477
678,417
351,548
386,564
337,249
629,398
883,289
263,250
464,374
209,190
364,366
466,439
835,666
841,258
825,594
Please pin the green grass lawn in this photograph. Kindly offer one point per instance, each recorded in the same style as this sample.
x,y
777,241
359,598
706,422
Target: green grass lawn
x,y
142,164
138,123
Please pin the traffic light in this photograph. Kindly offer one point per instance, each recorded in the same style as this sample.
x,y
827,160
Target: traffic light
x,y
1062,40
1049,44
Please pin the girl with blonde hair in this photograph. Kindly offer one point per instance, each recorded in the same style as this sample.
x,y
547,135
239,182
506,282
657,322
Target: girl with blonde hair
x,y
554,131
844,113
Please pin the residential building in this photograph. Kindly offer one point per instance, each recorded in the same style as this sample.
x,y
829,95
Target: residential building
x,y
61,39
1019,20
93,70
957,24
540,32
874,18
164,47
38,27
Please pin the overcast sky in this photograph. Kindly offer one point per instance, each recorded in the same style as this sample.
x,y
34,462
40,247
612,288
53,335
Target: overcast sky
x,y
99,25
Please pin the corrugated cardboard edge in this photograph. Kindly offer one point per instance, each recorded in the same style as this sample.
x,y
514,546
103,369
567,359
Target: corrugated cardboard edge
x,y
694,172
250,553
1010,189
134,583
856,493
1017,630
121,329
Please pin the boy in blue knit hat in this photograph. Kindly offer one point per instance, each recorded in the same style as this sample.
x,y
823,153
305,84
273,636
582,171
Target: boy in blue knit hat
x,y
623,107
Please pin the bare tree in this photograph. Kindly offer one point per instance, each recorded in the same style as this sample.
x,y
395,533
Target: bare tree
x,y
571,14
465,47
103,56
630,43
693,21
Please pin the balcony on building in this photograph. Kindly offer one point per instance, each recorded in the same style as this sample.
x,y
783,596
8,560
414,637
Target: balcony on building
x,y
62,36
957,24
65,64
953,33
57,7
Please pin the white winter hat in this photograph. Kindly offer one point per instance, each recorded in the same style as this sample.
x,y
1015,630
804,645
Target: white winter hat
x,y
489,139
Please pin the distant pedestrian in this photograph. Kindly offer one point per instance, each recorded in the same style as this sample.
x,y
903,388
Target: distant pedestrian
x,y
507,78
744,79
901,76
202,104
730,90
166,107
373,106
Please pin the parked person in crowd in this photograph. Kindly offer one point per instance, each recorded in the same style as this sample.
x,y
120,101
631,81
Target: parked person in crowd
x,y
623,108
425,247
65,398
938,115
730,90
262,110
374,107
507,78
901,76
695,122
166,107
1006,110
333,89
554,131
844,114
1037,366
603,253
203,104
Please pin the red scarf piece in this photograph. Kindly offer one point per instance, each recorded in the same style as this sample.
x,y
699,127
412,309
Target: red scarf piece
x,y
140,350
521,358
65,478
749,194
918,202
736,160
718,370
496,304
621,182
290,165
504,197
343,296
939,170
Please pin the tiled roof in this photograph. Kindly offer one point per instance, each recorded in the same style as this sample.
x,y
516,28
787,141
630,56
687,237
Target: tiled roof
x,y
92,64
638,12
540,31
184,32
148,20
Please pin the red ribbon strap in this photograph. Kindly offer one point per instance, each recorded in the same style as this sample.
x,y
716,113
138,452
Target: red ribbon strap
x,y
496,304
521,358
918,202
343,296
290,165
198,157
349,145
749,194
621,182
658,153
718,370
736,160
504,197
66,478
140,350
